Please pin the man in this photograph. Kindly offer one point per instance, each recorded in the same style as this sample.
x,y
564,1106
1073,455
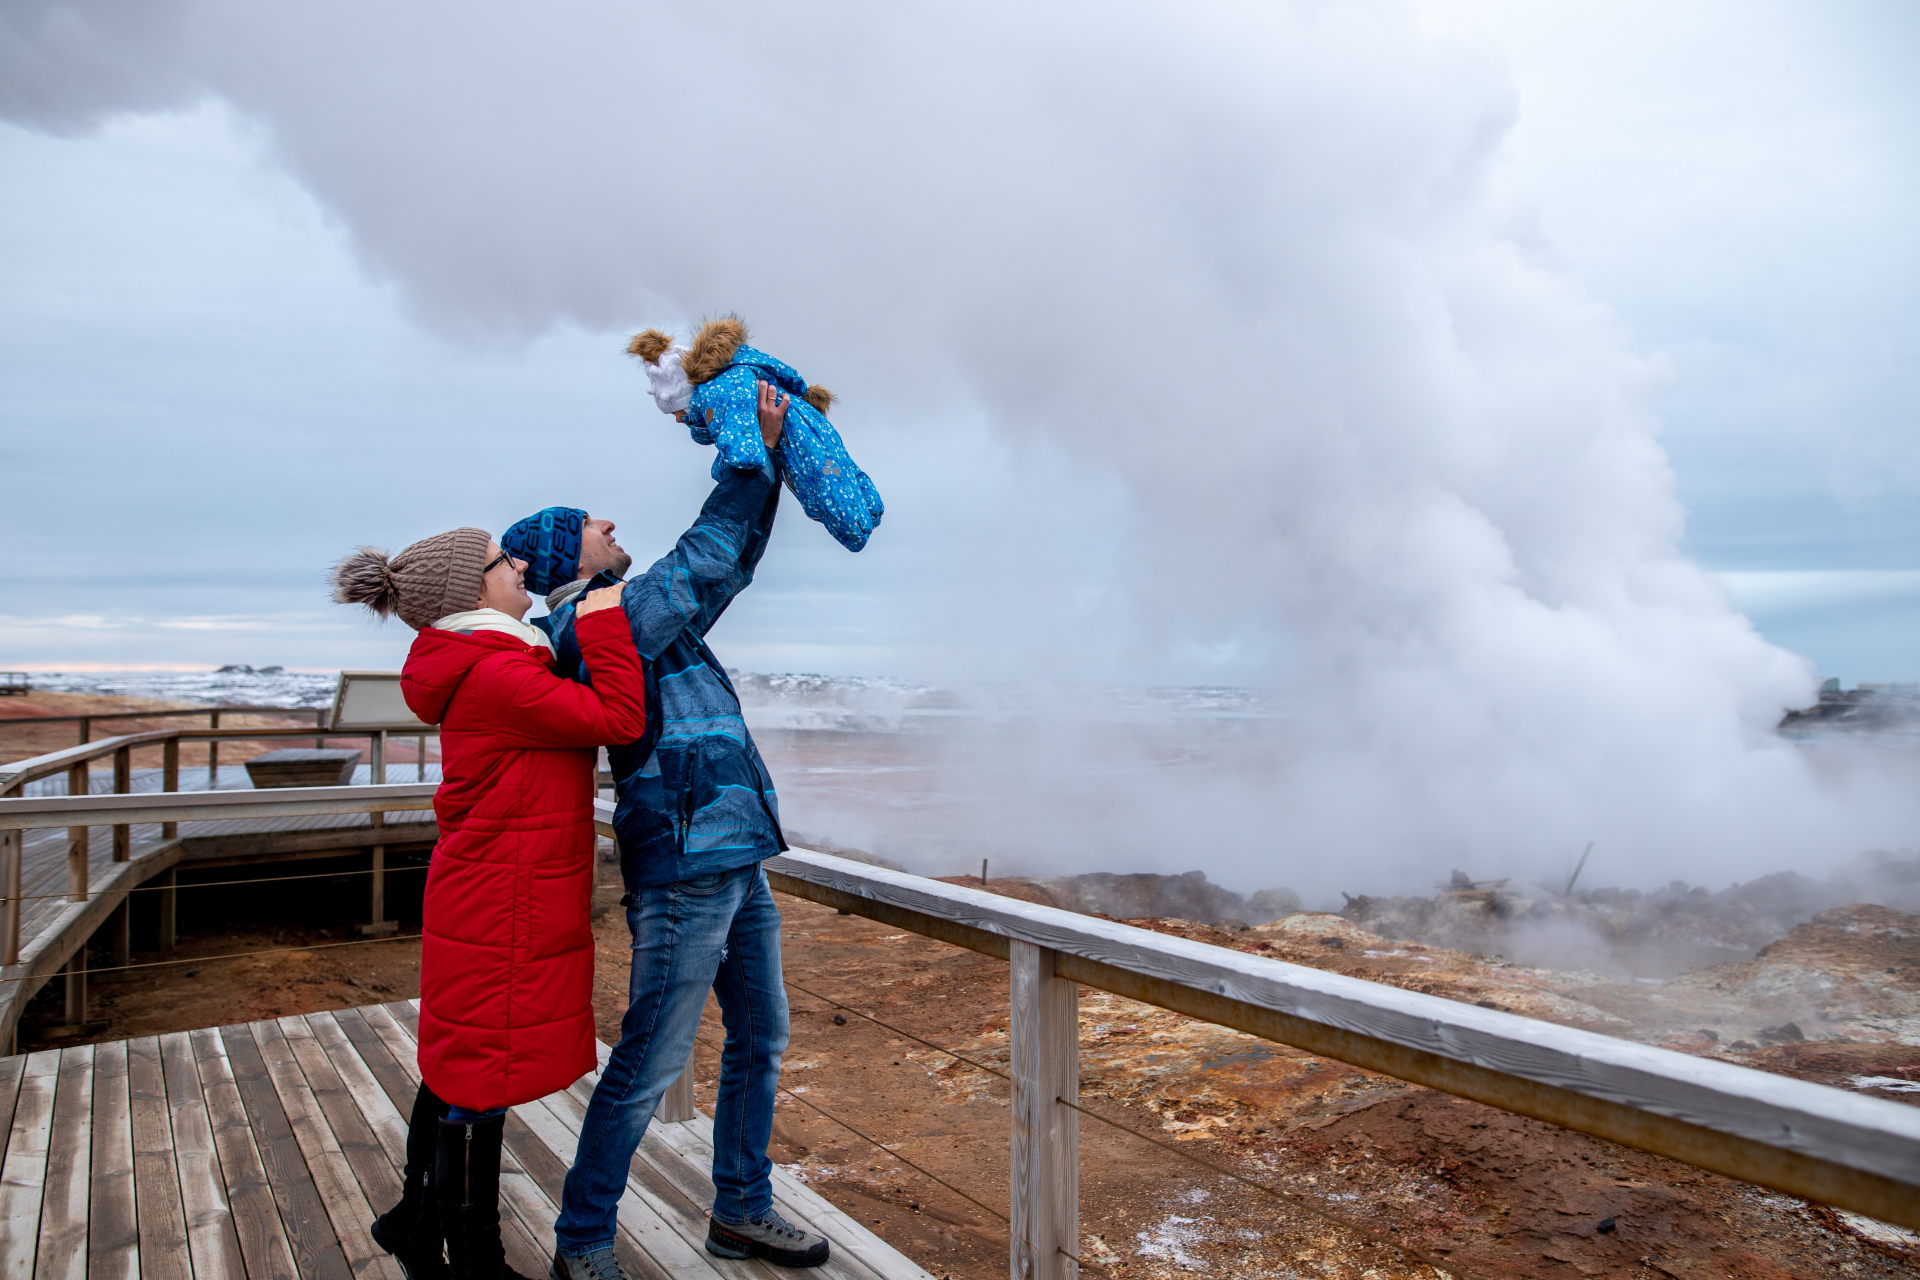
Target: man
x,y
696,814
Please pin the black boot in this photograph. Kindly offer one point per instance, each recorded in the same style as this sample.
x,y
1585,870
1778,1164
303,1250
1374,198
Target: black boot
x,y
410,1231
466,1179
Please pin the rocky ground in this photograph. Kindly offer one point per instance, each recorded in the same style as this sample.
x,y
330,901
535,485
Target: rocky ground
x,y
1491,1193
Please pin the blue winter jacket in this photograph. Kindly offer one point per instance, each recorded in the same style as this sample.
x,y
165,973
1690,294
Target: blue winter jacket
x,y
694,795
813,459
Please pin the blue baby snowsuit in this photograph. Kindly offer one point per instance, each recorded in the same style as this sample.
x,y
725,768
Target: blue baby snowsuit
x,y
813,460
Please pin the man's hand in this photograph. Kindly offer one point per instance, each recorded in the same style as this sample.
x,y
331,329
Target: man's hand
x,y
773,413
596,600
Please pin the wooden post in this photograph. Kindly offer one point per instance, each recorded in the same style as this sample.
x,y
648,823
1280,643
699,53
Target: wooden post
x,y
76,971
319,722
119,934
86,730
10,843
377,908
213,753
377,921
420,758
1045,1170
169,883
170,781
77,838
122,784
676,1104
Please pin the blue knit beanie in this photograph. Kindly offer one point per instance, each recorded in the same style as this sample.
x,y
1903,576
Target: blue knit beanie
x,y
549,541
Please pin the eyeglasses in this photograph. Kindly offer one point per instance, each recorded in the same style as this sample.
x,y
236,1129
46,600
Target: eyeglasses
x,y
505,557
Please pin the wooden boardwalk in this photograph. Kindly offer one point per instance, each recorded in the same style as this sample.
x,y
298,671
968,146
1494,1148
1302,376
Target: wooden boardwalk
x,y
52,927
265,1150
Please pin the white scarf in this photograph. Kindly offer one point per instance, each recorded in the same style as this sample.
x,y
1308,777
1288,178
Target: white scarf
x,y
494,620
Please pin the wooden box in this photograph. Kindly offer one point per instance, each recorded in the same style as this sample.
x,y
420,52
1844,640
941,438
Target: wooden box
x,y
304,767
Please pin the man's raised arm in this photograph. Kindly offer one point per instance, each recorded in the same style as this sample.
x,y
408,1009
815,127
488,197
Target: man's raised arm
x,y
692,585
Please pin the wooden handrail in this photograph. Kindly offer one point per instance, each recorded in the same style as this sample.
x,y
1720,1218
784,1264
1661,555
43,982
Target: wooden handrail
x,y
6,721
20,772
27,813
1810,1140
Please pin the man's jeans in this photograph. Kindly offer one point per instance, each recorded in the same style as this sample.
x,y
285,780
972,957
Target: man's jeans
x,y
718,932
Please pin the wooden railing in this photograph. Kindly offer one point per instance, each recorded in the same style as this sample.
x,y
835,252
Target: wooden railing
x,y
1810,1140
76,763
86,719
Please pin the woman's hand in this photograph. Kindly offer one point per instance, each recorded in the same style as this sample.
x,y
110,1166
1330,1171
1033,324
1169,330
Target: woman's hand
x,y
773,413
598,599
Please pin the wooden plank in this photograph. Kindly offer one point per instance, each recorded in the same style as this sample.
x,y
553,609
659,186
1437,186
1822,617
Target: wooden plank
x,y
377,1176
1044,1164
261,1238
1843,1149
316,1250
670,1246
25,1171
27,812
356,1105
376,1058
156,1179
212,1243
344,1202
65,1194
378,1108
113,1229
399,1043
12,1068
527,1215
853,1244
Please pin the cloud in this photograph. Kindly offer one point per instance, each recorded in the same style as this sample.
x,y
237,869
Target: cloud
x,y
1240,364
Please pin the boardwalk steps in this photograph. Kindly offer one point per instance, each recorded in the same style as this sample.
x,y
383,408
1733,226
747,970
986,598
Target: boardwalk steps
x,y
266,1149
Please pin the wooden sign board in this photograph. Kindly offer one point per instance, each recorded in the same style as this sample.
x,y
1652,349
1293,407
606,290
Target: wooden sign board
x,y
371,700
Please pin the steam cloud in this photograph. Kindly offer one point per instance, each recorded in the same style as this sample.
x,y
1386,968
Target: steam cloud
x,y
1283,391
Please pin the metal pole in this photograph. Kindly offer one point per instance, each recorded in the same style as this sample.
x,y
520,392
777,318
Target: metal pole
x,y
420,758
213,753
319,722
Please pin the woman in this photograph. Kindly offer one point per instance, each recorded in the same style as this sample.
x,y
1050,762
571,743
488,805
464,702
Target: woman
x,y
506,961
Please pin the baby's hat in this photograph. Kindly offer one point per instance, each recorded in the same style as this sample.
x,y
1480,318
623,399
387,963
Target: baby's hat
x,y
671,390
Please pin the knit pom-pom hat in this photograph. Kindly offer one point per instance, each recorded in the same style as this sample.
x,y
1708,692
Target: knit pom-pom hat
x,y
432,578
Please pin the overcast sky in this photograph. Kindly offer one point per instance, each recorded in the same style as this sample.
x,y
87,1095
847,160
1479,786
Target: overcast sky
x,y
220,371
1462,369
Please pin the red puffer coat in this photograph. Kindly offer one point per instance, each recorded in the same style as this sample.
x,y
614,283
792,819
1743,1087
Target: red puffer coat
x,y
506,964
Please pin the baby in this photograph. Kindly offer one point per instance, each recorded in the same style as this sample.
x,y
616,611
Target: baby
x,y
712,387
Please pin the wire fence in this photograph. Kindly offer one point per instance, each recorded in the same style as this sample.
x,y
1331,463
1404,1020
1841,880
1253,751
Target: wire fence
x,y
1292,1199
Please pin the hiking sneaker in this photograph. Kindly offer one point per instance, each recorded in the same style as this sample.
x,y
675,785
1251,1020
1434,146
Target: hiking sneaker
x,y
769,1236
598,1265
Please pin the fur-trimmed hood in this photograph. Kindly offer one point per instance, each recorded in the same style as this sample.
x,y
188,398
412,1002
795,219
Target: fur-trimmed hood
x,y
718,346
